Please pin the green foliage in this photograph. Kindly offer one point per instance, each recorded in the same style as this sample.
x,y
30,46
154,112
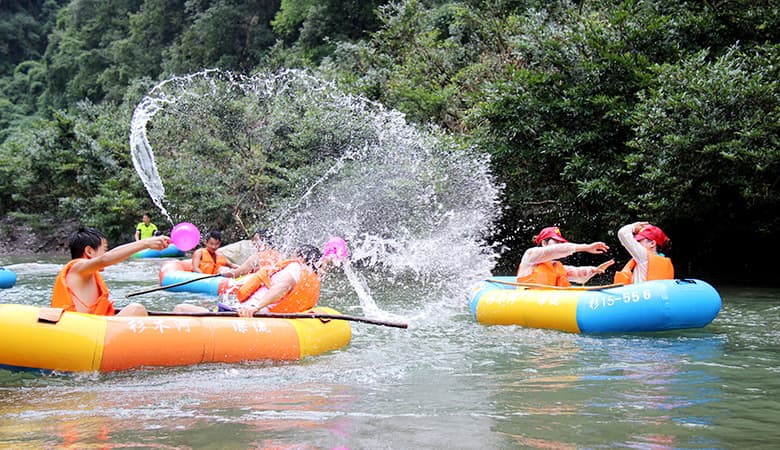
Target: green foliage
x,y
226,34
594,113
315,27
706,142
24,27
73,168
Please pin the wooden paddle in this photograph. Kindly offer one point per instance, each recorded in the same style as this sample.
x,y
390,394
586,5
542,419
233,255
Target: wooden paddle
x,y
303,315
545,286
181,283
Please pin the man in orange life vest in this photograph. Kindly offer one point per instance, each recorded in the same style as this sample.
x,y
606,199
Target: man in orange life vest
x,y
539,264
210,261
79,285
643,241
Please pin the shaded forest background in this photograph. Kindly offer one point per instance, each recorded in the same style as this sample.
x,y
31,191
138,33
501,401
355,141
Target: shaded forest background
x,y
594,113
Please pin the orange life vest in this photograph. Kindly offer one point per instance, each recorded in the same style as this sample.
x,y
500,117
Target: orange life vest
x,y
267,258
63,296
207,264
550,273
659,267
303,296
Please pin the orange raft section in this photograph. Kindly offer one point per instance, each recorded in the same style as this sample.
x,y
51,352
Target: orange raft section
x,y
83,342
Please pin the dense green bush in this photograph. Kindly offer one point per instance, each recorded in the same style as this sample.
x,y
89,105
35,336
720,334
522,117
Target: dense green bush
x,y
594,113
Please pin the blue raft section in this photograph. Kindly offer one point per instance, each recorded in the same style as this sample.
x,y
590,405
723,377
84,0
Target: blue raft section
x,y
171,252
650,306
209,286
7,278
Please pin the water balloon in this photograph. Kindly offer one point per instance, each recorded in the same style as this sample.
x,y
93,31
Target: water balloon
x,y
185,236
337,247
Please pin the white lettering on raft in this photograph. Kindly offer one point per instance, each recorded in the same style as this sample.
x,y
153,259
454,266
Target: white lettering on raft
x,y
241,326
136,325
605,301
183,325
141,325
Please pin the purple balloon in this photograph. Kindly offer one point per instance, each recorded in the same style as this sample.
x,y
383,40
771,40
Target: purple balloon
x,y
185,236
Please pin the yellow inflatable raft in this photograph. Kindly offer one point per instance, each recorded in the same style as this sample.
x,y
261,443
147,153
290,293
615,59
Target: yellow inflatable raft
x,y
76,342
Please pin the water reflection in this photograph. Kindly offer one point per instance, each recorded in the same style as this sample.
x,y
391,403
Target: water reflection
x,y
596,388
238,415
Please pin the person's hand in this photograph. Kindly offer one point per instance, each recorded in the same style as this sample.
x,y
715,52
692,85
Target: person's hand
x,y
158,242
247,311
604,266
597,247
638,226
226,272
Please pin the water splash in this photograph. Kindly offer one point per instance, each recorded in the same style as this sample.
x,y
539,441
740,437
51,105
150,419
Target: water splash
x,y
413,205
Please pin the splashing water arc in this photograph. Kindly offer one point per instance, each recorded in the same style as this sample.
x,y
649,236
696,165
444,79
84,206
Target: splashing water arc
x,y
412,204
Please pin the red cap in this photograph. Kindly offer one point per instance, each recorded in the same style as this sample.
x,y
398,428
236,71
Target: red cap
x,y
549,233
653,233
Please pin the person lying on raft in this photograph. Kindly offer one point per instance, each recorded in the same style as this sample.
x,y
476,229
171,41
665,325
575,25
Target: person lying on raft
x,y
288,286
540,264
80,286
209,260
643,241
266,255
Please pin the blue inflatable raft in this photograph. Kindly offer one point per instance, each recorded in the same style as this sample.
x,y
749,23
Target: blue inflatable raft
x,y
7,278
174,272
650,306
170,252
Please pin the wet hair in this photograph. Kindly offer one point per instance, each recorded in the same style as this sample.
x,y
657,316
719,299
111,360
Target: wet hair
x,y
214,234
310,254
82,238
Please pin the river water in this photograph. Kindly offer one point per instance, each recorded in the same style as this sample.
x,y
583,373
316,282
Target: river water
x,y
445,382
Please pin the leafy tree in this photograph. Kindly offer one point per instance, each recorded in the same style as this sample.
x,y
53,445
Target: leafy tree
x,y
79,57
225,34
316,26
24,27
73,167
706,155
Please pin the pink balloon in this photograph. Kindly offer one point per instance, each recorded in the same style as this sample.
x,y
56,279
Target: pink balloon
x,y
337,247
185,236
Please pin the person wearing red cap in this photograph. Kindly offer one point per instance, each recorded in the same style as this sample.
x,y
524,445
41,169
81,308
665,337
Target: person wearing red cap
x,y
540,264
643,241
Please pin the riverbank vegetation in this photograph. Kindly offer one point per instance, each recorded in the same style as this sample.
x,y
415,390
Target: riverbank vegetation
x,y
594,113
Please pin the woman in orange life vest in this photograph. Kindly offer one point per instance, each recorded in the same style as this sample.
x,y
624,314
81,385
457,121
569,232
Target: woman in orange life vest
x,y
539,264
266,255
643,241
79,285
210,261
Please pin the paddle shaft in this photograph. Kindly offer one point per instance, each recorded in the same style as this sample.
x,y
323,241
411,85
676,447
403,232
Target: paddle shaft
x,y
282,316
181,283
546,286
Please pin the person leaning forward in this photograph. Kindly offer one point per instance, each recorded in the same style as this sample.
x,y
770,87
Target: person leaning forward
x,y
80,286
540,264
